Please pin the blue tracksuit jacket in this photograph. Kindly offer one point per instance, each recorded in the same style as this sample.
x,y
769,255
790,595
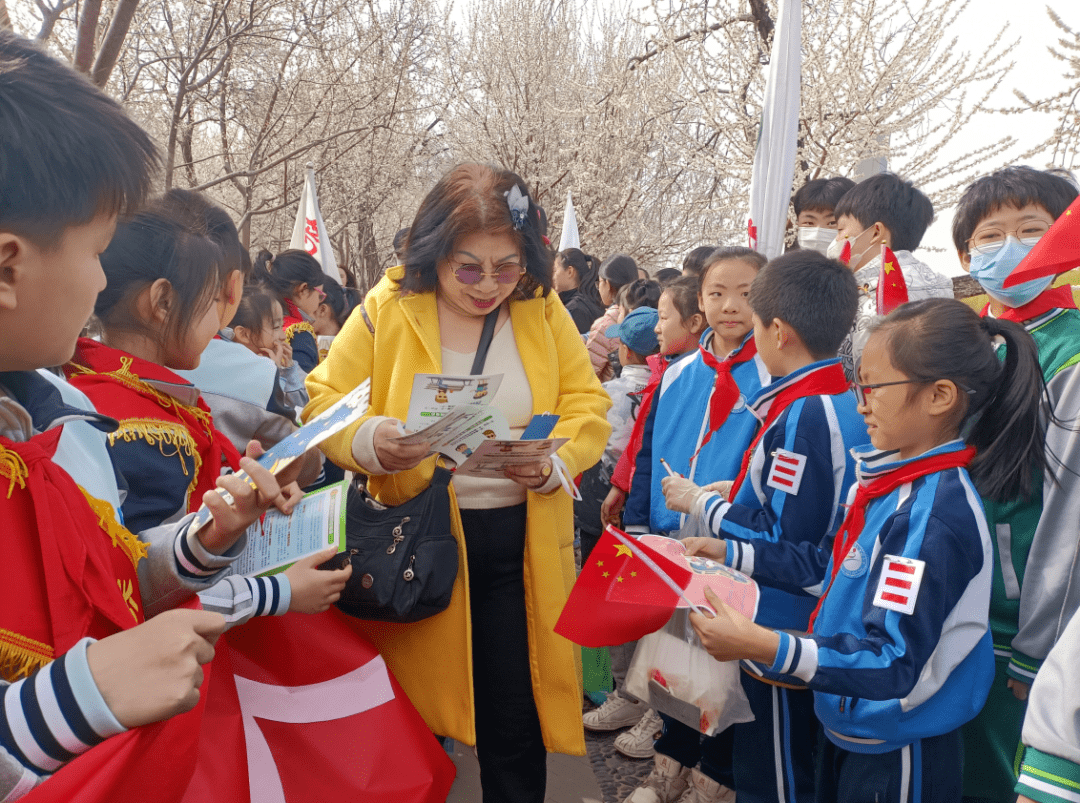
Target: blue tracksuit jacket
x,y
883,678
817,431
677,423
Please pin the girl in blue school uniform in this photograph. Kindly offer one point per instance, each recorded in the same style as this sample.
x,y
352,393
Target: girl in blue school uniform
x,y
899,653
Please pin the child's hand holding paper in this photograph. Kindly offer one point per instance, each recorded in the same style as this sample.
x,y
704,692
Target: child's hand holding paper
x,y
313,589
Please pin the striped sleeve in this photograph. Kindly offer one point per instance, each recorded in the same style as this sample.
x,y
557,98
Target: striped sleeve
x,y
195,562
48,719
1048,779
240,598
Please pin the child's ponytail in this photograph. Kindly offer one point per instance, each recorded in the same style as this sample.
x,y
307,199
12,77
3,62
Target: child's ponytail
x,y
283,273
944,339
1009,432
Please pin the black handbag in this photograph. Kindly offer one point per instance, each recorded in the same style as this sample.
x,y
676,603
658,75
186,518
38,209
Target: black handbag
x,y
404,558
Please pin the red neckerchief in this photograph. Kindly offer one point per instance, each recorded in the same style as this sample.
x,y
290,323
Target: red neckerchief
x,y
725,391
829,380
115,381
1054,298
852,527
69,571
292,313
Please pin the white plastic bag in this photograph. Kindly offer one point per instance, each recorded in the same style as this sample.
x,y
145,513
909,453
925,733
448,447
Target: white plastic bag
x,y
672,673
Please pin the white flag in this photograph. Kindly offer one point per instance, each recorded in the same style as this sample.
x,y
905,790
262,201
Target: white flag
x,y
774,160
309,231
570,237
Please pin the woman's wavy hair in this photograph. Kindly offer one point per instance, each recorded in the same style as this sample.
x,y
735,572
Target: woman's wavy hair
x,y
469,199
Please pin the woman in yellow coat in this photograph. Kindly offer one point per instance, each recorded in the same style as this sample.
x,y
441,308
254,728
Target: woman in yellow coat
x,y
489,670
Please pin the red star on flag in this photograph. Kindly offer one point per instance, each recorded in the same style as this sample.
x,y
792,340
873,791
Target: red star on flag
x,y
891,288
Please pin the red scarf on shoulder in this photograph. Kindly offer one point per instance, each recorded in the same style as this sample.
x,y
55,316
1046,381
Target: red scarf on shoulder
x,y
852,527
828,380
1054,298
725,392
118,385
69,567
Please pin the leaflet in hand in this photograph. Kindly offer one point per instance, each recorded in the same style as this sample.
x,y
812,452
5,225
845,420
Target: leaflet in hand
x,y
349,408
436,395
733,587
278,541
493,457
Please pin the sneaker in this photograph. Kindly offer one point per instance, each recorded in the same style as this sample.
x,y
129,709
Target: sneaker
x,y
616,712
665,784
638,741
704,789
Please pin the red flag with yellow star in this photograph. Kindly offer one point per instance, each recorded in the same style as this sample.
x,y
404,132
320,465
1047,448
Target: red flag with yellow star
x,y
618,597
1058,250
891,287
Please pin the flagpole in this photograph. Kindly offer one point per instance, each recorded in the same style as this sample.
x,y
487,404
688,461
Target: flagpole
x,y
639,553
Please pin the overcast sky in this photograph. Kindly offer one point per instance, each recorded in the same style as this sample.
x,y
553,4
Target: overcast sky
x,y
1036,73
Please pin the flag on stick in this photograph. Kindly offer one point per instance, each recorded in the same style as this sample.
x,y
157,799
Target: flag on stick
x,y
774,159
625,590
1058,250
570,237
309,231
891,287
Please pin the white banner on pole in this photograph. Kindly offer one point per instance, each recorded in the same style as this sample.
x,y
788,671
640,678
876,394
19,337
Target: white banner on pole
x,y
774,159
309,231
570,237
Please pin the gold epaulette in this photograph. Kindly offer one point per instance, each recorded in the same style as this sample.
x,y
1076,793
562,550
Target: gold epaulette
x,y
293,328
20,656
161,434
122,538
13,467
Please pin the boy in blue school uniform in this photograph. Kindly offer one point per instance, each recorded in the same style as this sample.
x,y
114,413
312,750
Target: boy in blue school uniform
x,y
790,488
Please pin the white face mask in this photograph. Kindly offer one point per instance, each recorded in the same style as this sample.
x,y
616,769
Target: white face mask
x,y
816,239
836,248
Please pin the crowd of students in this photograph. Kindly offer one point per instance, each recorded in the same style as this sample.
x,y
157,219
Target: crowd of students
x,y
903,488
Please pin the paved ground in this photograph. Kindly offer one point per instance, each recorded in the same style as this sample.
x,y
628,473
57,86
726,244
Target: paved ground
x,y
604,776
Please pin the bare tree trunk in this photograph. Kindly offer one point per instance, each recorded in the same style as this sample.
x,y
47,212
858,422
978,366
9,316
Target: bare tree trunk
x,y
114,41
5,20
84,43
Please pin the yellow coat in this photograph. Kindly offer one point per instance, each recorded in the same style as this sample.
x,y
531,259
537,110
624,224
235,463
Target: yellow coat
x,y
432,659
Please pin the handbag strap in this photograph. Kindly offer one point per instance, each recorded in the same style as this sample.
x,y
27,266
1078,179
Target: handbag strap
x,y
485,341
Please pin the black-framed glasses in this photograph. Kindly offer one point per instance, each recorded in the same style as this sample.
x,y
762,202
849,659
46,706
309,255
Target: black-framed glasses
x,y
471,273
862,392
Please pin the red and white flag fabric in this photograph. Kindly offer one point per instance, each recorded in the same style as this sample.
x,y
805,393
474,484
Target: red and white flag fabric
x,y
774,159
891,287
301,709
293,709
309,231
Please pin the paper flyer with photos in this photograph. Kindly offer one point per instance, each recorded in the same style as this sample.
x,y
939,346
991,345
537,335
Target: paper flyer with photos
x,y
493,457
436,395
278,541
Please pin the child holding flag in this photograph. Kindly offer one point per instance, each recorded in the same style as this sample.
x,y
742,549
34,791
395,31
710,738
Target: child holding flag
x,y
1000,219
882,210
789,489
899,653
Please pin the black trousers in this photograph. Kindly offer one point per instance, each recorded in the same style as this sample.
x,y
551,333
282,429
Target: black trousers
x,y
513,761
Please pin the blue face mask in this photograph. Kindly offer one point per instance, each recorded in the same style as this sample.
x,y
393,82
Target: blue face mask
x,y
991,270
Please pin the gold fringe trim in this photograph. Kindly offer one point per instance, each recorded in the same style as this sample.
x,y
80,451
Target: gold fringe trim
x,y
303,326
162,434
13,467
20,656
125,376
122,538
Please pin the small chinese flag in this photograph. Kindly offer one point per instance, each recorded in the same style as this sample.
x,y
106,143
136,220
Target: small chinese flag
x,y
891,287
845,253
618,597
1058,250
